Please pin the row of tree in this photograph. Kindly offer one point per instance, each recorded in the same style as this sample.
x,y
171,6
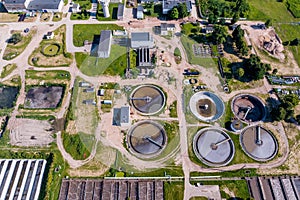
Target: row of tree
x,y
178,12
285,110
215,9
238,38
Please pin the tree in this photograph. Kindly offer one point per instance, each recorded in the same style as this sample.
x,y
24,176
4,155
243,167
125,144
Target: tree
x,y
182,9
292,99
212,19
15,38
244,50
235,18
174,14
278,113
275,71
240,72
268,23
220,34
295,42
222,21
254,68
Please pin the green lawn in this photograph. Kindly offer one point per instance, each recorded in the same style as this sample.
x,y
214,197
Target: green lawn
x,y
84,4
79,16
78,145
93,66
188,46
189,28
269,9
173,190
47,75
239,188
113,10
82,32
8,69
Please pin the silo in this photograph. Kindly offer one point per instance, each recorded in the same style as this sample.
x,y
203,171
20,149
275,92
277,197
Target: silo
x,y
105,7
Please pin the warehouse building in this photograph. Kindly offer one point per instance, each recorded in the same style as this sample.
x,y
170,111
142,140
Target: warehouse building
x,y
104,44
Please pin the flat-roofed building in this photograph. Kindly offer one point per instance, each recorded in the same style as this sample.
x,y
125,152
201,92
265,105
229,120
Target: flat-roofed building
x,y
46,6
141,40
140,12
21,178
36,5
125,116
16,5
104,44
120,14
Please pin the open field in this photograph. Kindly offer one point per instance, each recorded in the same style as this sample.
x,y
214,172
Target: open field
x,y
29,132
231,189
86,116
7,17
39,58
82,32
93,66
173,190
13,50
188,46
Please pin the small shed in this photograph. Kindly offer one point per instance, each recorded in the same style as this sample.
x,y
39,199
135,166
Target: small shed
x,y
89,90
107,102
84,84
101,92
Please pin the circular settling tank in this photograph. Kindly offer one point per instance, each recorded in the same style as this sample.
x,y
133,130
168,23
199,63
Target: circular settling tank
x,y
147,139
206,106
248,108
259,143
213,147
148,99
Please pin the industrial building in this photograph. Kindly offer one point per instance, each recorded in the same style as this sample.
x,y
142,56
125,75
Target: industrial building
x,y
104,44
143,57
121,116
141,40
21,178
166,28
33,5
167,5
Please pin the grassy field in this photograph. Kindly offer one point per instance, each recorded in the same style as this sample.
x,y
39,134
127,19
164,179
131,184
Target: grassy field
x,y
47,75
93,66
188,46
7,17
173,190
39,59
13,50
8,69
153,10
84,4
239,188
78,145
269,9
79,16
82,32
113,10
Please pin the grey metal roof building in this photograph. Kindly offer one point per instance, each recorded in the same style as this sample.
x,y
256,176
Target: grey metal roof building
x,y
141,40
169,4
15,5
120,14
21,178
125,116
49,5
104,44
140,12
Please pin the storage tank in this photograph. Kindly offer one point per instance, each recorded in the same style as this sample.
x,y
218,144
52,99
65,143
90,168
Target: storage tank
x,y
105,7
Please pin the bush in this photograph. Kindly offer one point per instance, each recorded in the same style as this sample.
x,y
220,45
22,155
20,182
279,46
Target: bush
x,y
15,38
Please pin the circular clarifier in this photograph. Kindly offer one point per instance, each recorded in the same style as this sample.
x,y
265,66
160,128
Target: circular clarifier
x,y
147,139
248,108
148,99
206,106
213,147
259,143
